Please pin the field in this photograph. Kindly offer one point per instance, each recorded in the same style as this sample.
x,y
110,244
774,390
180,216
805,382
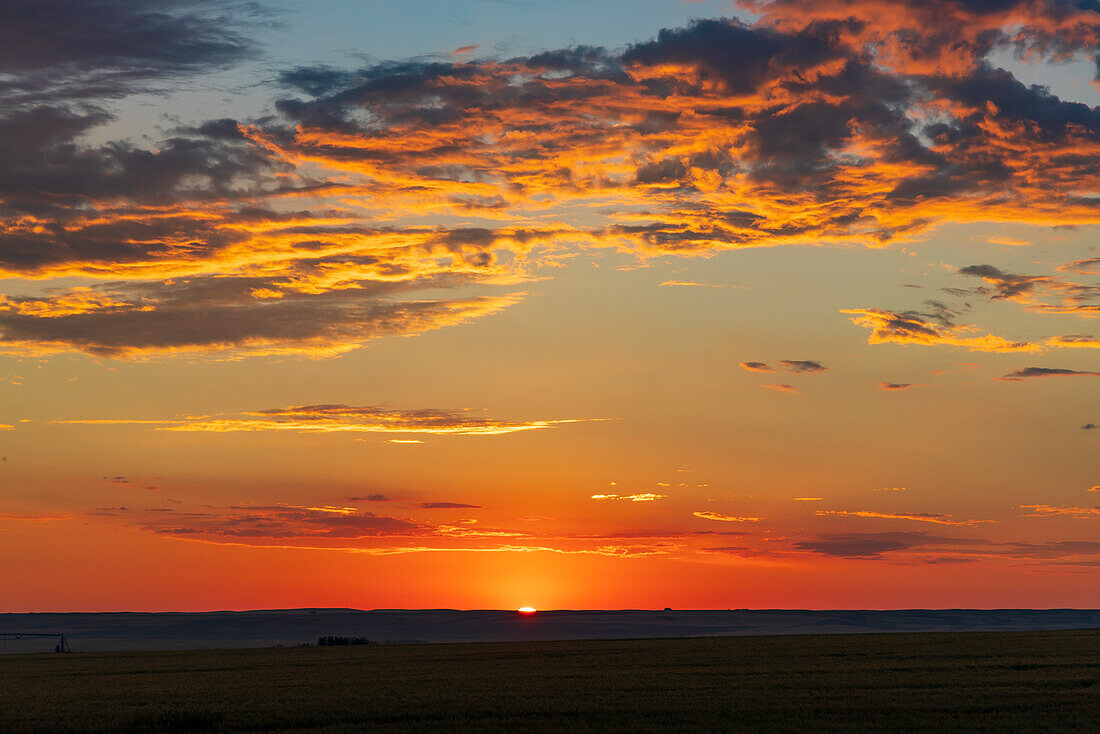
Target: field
x,y
962,682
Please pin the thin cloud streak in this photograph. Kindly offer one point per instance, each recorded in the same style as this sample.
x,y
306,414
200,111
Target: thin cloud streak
x,y
338,418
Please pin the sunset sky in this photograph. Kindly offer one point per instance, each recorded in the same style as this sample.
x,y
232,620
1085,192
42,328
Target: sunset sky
x,y
635,303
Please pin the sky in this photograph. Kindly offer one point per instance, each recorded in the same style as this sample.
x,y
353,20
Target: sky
x,y
630,304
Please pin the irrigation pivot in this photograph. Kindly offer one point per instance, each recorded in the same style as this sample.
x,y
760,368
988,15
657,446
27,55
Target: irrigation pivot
x,y
61,646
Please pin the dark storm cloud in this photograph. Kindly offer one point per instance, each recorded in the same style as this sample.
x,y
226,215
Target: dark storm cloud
x,y
1026,372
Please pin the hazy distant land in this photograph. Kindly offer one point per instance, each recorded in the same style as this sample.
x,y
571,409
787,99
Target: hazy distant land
x,y
89,632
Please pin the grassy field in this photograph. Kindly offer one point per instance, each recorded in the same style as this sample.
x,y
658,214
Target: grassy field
x,y
959,682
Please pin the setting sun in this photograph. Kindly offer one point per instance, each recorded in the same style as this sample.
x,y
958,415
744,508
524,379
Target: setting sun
x,y
526,610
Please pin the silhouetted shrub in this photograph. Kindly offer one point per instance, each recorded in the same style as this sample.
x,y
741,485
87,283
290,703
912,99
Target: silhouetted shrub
x,y
330,641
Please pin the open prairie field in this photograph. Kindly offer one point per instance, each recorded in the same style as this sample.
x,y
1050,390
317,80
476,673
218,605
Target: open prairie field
x,y
972,682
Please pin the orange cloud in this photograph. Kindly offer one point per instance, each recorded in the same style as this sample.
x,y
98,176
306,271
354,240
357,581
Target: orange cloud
x,y
1051,511
708,515
789,389
344,419
308,232
891,327
644,497
935,518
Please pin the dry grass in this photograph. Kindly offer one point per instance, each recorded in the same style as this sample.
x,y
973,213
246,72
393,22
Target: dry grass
x,y
962,682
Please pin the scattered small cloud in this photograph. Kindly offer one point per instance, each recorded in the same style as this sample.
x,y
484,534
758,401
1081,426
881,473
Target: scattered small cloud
x,y
693,284
889,489
936,518
892,386
1027,372
707,515
808,499
643,497
1008,241
928,329
1088,427
1091,266
789,389
1074,341
802,366
448,506
758,367
1051,511
372,498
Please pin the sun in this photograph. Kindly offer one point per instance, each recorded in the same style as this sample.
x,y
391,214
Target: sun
x,y
526,610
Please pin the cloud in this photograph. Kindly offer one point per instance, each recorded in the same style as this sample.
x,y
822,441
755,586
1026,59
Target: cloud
x,y
797,366
448,506
643,497
693,284
146,321
6,427
891,327
1051,511
1076,298
808,499
867,545
1007,286
339,418
1027,372
1088,426
936,518
801,366
893,386
79,49
1094,488
739,550
1090,266
789,389
323,226
889,489
282,522
707,515
371,498
1072,341
757,367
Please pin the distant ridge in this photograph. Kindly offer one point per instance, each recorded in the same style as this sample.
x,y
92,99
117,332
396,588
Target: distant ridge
x,y
101,631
